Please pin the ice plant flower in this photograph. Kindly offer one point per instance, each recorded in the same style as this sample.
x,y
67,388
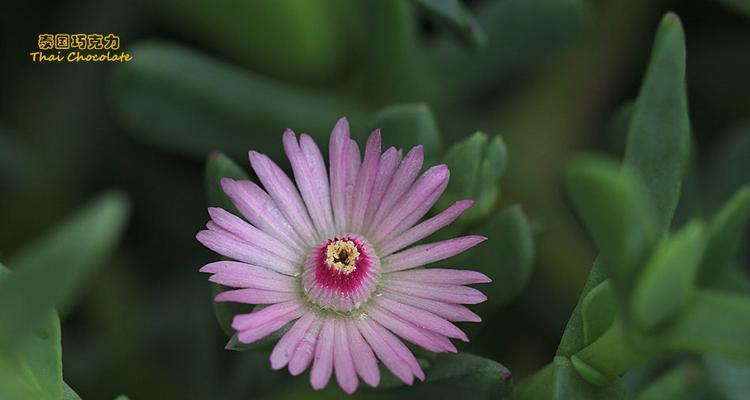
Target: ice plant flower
x,y
330,260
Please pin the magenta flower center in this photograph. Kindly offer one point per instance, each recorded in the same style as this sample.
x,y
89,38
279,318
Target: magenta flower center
x,y
341,273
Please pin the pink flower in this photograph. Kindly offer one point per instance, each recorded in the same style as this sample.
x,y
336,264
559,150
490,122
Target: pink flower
x,y
330,259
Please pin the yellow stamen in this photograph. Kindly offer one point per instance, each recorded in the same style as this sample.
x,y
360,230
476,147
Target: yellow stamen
x,y
342,256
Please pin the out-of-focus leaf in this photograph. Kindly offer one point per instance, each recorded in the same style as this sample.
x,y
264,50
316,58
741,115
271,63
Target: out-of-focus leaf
x,y
619,217
725,235
684,382
220,166
304,33
185,101
407,125
617,129
598,309
520,33
122,397
454,15
715,323
50,270
476,165
507,257
730,167
730,376
667,281
741,6
659,133
560,381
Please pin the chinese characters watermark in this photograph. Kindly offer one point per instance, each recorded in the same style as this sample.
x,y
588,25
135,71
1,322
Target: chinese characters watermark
x,y
79,47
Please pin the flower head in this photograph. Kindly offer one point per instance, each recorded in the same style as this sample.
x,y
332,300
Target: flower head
x,y
330,260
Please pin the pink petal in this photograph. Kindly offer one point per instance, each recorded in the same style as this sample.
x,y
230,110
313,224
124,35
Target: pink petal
x,y
273,323
346,373
312,179
322,368
255,296
421,318
241,275
339,164
407,172
284,194
264,316
303,353
441,275
449,311
386,167
407,330
364,361
250,234
448,293
365,180
425,229
351,179
429,253
231,246
284,349
415,203
376,337
258,208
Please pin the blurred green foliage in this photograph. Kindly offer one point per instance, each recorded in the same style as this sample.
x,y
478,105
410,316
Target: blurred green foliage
x,y
503,91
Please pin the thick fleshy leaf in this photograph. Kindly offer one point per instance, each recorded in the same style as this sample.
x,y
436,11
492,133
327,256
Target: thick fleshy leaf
x,y
506,258
166,99
476,165
559,380
407,125
715,323
725,233
70,394
36,364
49,271
659,132
619,217
667,281
574,336
455,16
730,376
686,381
598,310
220,166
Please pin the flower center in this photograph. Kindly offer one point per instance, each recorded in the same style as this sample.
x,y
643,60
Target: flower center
x,y
341,273
342,256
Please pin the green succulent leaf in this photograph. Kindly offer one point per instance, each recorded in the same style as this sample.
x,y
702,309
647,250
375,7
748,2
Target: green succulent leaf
x,y
184,101
725,235
454,15
407,125
730,376
598,309
667,282
659,131
70,394
574,336
49,271
619,217
506,257
714,323
560,380
476,165
682,382
220,166
35,366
